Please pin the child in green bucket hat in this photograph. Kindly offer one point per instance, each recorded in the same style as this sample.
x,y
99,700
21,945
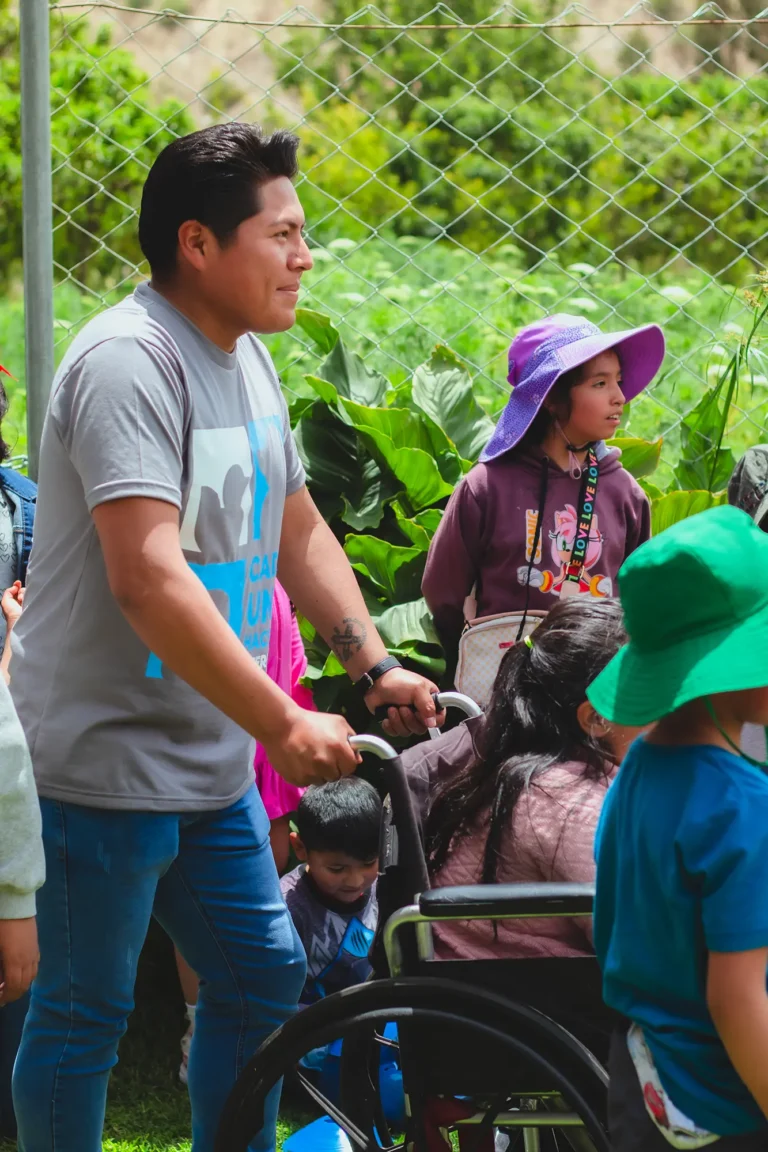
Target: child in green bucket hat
x,y
681,909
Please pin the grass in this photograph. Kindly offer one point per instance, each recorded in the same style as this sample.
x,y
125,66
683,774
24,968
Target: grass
x,y
394,300
148,1109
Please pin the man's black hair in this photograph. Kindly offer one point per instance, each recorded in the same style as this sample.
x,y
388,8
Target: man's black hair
x,y
342,816
211,176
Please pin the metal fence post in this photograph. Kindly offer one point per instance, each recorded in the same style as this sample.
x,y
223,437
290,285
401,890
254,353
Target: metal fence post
x,y
38,216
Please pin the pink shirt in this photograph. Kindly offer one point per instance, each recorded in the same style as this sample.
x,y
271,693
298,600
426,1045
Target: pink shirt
x,y
286,664
552,839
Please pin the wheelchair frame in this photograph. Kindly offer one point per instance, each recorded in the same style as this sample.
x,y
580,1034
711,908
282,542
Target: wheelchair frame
x,y
521,1031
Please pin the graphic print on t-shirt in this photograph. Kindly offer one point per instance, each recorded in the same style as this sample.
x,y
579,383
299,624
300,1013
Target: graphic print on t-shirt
x,y
227,494
561,547
350,965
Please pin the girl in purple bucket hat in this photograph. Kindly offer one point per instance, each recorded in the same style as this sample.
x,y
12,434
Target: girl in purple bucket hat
x,y
549,511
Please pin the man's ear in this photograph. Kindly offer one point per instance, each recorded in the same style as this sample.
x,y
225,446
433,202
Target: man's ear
x,y
299,850
591,722
196,244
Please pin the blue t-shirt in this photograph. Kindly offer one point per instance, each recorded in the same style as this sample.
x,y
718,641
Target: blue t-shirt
x,y
682,870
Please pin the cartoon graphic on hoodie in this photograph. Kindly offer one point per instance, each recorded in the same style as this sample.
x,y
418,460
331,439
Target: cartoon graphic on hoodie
x,y
562,538
486,534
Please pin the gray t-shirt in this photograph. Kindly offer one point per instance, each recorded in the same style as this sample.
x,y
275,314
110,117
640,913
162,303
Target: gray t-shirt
x,y
337,937
144,405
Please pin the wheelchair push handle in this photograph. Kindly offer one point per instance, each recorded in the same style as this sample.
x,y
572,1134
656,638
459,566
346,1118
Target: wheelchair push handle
x,y
410,851
375,745
442,700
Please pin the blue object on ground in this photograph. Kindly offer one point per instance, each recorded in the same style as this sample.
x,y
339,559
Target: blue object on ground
x,y
326,1064
320,1136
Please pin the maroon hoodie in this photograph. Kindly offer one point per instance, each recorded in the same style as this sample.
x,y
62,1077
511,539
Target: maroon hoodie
x,y
487,531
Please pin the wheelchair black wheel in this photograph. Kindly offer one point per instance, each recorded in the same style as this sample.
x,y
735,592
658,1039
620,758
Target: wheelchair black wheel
x,y
563,1088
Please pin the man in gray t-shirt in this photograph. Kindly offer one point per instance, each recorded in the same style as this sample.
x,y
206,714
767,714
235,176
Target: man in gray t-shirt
x,y
169,486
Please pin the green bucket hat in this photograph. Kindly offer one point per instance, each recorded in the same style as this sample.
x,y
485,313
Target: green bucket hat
x,y
695,602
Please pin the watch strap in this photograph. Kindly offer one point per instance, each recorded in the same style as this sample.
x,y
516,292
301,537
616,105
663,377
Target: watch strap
x,y
369,678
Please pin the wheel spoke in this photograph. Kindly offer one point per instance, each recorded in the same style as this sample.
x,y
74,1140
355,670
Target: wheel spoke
x,y
358,1138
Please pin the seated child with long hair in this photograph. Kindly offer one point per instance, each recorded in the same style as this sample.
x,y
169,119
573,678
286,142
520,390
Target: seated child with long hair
x,y
523,788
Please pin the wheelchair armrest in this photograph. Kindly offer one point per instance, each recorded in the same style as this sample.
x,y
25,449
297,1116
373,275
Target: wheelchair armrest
x,y
499,901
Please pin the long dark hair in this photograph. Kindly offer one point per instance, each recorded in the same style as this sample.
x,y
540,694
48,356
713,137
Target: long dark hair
x,y
531,725
560,402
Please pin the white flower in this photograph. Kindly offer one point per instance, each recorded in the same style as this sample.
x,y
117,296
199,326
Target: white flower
x,y
583,304
581,269
677,294
397,293
343,244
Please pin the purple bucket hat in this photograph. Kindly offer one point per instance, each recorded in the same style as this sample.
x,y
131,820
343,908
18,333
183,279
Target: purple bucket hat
x,y
542,352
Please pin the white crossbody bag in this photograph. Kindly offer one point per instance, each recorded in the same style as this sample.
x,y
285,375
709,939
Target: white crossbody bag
x,y
483,643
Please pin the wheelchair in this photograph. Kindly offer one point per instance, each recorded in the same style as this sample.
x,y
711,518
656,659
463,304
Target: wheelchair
x,y
494,1054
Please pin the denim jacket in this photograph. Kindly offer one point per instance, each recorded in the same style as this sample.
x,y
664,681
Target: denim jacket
x,y
22,496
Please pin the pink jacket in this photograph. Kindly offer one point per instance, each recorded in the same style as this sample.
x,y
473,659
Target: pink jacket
x,y
286,664
553,832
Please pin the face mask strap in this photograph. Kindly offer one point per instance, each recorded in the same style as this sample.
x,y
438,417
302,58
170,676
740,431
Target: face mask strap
x,y
739,752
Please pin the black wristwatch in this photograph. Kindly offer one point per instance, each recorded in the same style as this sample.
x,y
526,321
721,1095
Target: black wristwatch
x,y
367,681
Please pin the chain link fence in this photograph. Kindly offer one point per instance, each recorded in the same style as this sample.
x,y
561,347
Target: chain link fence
x,y
463,172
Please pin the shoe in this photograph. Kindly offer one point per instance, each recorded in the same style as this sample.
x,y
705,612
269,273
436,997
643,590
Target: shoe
x,y
186,1044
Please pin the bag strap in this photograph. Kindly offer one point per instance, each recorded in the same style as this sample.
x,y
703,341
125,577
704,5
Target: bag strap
x,y
534,547
470,605
587,498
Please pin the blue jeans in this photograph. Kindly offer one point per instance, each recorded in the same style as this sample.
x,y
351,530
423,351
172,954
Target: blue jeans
x,y
210,880
11,1024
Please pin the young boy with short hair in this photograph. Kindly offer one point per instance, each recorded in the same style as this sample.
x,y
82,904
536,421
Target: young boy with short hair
x,y
681,913
332,894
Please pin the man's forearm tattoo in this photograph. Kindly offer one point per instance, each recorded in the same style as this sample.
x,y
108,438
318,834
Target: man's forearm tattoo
x,y
347,640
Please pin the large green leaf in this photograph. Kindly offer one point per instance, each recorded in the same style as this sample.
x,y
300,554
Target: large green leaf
x,y
333,666
442,389
365,502
394,570
432,663
330,452
702,465
325,390
298,407
406,624
449,463
352,378
419,529
408,428
341,473
675,506
319,328
652,491
640,457
400,440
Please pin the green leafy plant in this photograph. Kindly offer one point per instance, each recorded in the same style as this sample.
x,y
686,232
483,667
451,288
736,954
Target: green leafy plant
x,y
507,133
107,127
383,457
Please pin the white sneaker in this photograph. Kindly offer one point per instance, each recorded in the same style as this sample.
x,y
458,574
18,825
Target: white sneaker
x,y
186,1044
